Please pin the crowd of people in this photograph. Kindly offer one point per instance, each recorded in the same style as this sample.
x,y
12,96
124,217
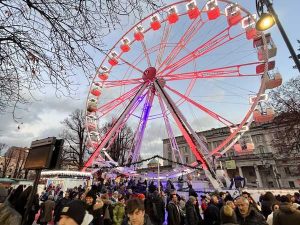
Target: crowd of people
x,y
140,203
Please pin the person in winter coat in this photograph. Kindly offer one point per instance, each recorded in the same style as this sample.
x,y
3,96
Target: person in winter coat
x,y
275,207
46,210
247,215
34,209
8,215
22,201
119,211
107,210
227,216
135,210
3,193
191,216
287,213
94,207
60,204
212,213
267,201
174,217
74,213
155,208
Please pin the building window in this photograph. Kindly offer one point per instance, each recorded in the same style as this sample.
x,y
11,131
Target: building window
x,y
257,138
186,159
231,153
287,171
251,173
292,184
270,184
261,149
185,149
170,155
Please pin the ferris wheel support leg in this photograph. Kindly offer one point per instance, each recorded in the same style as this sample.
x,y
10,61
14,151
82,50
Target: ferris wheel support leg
x,y
174,146
115,127
182,125
143,123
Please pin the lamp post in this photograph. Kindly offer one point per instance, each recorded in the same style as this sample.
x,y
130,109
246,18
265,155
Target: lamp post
x,y
265,22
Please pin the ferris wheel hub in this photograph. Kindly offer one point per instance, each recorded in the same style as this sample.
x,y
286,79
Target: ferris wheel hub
x,y
149,74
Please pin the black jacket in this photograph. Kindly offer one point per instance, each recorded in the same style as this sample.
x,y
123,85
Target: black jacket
x,y
287,215
191,216
173,214
266,208
155,208
254,217
212,215
58,207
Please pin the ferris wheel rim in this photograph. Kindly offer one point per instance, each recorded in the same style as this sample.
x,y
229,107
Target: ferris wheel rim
x,y
247,119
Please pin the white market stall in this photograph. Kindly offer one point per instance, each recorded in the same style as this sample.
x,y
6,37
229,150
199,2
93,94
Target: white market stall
x,y
66,179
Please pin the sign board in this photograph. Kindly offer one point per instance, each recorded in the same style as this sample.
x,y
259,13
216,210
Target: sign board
x,y
44,154
230,165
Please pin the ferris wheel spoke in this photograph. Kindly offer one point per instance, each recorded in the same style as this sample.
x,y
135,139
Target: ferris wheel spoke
x,y
173,142
146,52
142,125
214,115
193,140
117,83
218,40
118,122
221,72
184,40
138,102
106,108
182,124
163,44
131,65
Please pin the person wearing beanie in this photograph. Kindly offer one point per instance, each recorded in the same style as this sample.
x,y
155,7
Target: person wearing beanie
x,y
46,210
74,213
212,213
114,197
119,211
227,216
60,204
94,208
192,217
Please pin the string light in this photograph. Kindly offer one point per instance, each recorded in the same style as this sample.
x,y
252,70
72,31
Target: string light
x,y
145,160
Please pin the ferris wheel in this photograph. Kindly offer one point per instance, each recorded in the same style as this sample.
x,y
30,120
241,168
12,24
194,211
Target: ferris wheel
x,y
187,60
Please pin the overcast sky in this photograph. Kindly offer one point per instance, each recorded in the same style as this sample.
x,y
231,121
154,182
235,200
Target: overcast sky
x,y
42,118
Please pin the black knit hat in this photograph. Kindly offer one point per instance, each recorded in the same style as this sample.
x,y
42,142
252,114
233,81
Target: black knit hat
x,y
76,210
91,194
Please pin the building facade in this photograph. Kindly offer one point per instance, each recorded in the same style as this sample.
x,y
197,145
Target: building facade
x,y
13,161
263,166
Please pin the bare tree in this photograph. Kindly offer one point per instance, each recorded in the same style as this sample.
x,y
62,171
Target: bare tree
x,y
3,146
49,42
286,101
13,161
122,143
6,162
20,156
74,133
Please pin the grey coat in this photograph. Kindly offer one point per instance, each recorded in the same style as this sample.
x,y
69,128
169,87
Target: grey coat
x,y
8,215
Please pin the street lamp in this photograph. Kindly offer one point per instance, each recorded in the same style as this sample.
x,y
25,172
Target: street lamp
x,y
267,20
